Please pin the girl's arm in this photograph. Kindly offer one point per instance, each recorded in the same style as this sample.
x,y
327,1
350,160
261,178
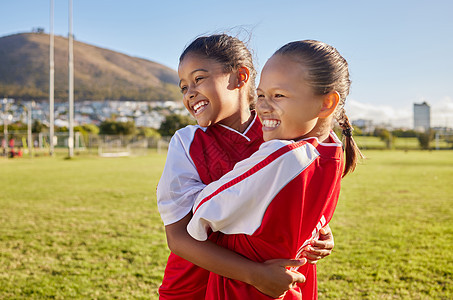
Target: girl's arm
x,y
237,202
176,192
271,278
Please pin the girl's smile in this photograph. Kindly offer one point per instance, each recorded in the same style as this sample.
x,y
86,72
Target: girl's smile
x,y
210,94
200,106
269,124
287,105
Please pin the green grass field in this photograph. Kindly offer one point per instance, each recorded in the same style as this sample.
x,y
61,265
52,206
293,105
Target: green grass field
x,y
400,143
88,228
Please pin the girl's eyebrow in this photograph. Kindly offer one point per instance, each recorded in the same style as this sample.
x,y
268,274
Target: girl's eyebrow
x,y
194,71
203,70
275,88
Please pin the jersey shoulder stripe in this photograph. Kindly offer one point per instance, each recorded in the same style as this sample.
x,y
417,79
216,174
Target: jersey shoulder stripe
x,y
262,164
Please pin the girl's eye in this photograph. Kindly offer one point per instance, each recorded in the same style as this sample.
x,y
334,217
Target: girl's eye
x,y
260,96
183,89
279,96
198,78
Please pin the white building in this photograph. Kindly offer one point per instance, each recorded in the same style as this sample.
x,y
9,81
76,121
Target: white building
x,y
422,116
152,120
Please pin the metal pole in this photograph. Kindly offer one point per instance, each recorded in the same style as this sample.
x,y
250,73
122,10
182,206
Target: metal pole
x,y
5,128
29,137
71,86
437,141
51,82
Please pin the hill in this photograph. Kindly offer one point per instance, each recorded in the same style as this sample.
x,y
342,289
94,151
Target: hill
x,y
99,73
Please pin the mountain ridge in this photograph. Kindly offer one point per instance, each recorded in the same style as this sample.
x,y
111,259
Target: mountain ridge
x,y
99,73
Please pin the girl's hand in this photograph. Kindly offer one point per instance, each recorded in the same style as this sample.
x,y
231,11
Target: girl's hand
x,y
320,248
274,279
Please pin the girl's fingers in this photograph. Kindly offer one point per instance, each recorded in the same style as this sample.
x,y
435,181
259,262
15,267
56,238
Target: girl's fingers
x,y
318,252
311,258
293,262
297,278
327,244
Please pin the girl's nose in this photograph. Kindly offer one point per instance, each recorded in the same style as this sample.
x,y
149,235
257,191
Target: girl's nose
x,y
263,105
191,93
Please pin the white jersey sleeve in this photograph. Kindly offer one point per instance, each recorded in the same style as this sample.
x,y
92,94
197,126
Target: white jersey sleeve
x,y
180,183
237,202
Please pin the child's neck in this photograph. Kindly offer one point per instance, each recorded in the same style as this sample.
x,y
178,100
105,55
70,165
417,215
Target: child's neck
x,y
321,131
324,138
240,121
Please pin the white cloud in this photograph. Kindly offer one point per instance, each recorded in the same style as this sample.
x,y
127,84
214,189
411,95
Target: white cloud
x,y
379,114
441,113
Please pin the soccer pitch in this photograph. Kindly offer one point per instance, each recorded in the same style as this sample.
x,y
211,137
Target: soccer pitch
x,y
89,228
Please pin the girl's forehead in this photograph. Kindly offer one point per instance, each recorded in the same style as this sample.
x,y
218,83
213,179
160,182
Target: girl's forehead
x,y
192,63
193,58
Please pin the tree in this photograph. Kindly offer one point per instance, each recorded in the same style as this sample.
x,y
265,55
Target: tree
x,y
174,122
357,130
86,130
15,126
387,137
91,128
425,138
38,127
405,133
62,129
39,30
149,132
111,127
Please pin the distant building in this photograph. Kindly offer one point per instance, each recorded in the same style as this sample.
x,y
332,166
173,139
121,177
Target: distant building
x,y
152,120
422,116
366,125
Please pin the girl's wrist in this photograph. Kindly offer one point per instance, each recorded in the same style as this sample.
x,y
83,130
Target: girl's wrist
x,y
252,273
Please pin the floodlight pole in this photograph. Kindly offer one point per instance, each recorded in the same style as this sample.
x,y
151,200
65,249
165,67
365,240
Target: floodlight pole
x,y
51,82
437,140
5,128
29,125
71,86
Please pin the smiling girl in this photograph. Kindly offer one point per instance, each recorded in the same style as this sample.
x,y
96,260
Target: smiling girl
x,y
274,202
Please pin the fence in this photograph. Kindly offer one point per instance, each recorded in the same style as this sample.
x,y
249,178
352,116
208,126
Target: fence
x,y
103,145
118,145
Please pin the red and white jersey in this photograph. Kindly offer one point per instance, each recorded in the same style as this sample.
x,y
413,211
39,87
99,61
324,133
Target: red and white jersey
x,y
197,156
269,206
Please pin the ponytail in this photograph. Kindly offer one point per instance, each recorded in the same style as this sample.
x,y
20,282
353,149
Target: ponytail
x,y
352,151
328,71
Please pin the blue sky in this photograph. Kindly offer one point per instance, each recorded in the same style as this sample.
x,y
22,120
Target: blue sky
x,y
400,52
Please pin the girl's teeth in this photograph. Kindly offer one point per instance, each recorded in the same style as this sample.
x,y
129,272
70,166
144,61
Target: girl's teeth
x,y
200,104
271,123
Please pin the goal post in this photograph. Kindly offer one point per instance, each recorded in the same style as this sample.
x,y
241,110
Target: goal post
x,y
443,139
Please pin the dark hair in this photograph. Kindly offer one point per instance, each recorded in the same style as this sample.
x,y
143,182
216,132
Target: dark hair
x,y
327,71
229,51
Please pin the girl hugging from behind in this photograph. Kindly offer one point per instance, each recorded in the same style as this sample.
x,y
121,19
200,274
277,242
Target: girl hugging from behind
x,y
217,80
272,204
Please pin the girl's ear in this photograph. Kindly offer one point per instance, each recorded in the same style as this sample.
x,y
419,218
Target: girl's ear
x,y
329,104
243,75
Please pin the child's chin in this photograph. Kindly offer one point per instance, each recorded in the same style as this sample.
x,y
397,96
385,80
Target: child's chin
x,y
203,123
267,137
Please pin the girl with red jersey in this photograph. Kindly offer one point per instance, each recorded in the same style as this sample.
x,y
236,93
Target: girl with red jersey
x,y
217,80
274,202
